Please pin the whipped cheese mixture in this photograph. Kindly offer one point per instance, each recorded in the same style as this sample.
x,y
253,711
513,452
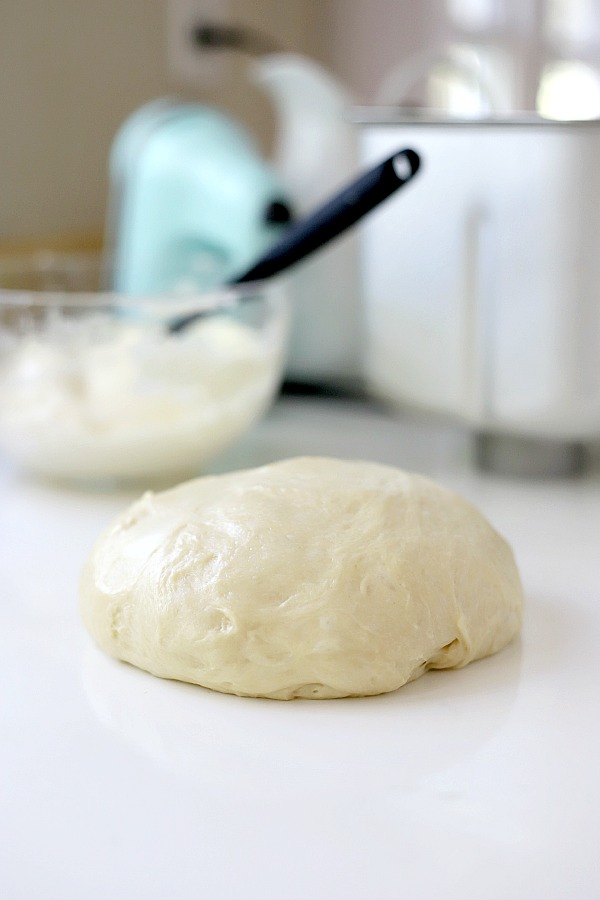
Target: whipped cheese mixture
x,y
92,398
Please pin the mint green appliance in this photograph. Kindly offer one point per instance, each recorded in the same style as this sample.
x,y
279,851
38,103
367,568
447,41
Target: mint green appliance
x,y
191,203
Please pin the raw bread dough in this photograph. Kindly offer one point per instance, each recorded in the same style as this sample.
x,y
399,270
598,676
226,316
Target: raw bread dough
x,y
310,577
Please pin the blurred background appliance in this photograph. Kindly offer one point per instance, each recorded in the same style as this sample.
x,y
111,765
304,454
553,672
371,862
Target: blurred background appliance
x,y
482,289
192,203
482,294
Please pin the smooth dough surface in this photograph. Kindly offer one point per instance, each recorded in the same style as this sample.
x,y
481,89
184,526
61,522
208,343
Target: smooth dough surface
x,y
311,577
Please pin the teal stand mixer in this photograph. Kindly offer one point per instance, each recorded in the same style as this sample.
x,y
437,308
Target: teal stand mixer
x,y
191,202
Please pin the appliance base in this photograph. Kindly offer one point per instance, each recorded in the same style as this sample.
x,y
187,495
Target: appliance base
x,y
527,457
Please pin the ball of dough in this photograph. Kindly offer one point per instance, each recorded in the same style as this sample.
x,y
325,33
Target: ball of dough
x,y
310,577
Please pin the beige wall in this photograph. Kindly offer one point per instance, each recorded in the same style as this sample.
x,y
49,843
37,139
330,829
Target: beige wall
x,y
362,40
72,70
69,72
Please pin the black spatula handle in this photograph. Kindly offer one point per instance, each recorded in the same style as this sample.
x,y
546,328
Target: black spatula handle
x,y
336,216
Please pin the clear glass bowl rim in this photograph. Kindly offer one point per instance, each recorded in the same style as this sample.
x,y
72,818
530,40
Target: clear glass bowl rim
x,y
217,300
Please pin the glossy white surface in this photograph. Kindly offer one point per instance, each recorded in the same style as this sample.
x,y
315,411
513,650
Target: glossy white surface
x,y
481,783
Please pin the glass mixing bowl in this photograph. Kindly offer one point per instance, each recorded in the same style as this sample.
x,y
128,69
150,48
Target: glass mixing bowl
x,y
98,388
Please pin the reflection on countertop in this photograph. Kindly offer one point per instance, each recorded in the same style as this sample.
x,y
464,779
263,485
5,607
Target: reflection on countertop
x,y
201,734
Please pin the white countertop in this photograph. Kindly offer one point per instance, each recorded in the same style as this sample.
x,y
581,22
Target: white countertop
x,y
481,783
